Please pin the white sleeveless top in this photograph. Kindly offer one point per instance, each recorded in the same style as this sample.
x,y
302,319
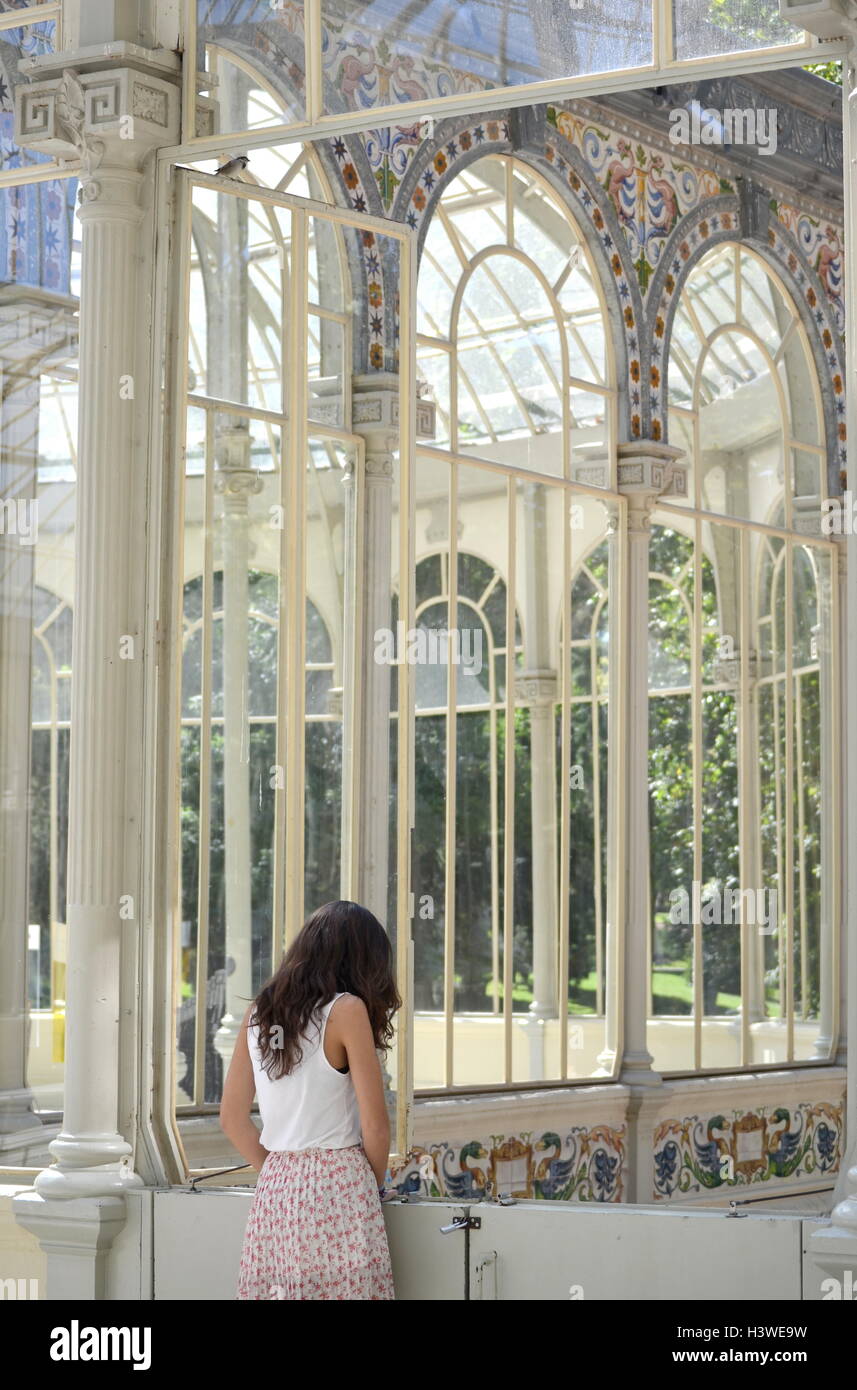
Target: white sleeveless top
x,y
314,1106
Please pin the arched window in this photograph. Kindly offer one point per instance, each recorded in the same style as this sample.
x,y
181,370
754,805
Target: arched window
x,y
744,396
510,841
511,324
742,690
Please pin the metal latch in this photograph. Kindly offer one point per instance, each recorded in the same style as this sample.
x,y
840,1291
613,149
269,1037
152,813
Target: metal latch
x,y
463,1223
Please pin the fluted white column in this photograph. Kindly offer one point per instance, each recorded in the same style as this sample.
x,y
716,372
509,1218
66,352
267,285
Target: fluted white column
x,y
92,1156
368,598
646,471
636,1058
110,120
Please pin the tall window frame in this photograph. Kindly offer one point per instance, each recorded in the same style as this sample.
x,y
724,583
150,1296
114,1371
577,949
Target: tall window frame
x,y
737,324
532,497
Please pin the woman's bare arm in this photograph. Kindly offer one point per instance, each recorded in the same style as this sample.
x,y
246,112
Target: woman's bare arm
x,y
238,1092
355,1032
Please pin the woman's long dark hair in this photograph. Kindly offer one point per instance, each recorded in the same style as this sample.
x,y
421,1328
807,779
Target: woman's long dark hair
x,y
341,948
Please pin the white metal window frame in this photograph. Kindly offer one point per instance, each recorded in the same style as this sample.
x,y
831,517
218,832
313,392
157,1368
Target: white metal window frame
x,y
664,68
690,524
696,516
560,484
615,505
295,432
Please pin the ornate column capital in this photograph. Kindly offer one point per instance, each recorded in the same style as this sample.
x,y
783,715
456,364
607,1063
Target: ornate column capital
x,y
727,669
807,516
375,416
648,471
536,688
106,108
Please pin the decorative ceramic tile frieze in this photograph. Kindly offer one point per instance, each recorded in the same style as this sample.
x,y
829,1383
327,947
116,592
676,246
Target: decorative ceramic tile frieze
x,y
739,1148
360,201
362,71
808,286
822,245
582,1164
650,190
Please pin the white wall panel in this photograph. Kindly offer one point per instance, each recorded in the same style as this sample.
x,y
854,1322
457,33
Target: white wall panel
x,y
541,1250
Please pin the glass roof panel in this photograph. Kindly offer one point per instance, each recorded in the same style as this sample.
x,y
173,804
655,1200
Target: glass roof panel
x,y
378,51
706,27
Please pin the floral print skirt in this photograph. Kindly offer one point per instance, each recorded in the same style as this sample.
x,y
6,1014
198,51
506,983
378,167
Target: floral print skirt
x,y
316,1229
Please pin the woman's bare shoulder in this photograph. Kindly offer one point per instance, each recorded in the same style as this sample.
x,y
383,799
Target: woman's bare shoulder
x,y
350,1009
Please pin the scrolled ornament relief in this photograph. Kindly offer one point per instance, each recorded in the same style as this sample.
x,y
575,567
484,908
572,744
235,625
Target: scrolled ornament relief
x,y
70,120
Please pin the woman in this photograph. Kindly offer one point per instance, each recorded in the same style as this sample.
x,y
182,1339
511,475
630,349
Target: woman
x,y
308,1048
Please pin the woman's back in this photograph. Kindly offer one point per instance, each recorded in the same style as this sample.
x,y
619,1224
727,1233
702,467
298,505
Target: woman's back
x,y
316,1226
314,1106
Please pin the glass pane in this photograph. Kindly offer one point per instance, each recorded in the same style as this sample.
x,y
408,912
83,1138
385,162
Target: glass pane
x,y
586,795
330,326
244,780
38,477
326,363
670,1029
239,290
375,49
770,1042
429,838
528,334
706,29
508,354
27,41
799,384
764,309
433,385
482,569
329,468
233,43
720,870
814,803
740,431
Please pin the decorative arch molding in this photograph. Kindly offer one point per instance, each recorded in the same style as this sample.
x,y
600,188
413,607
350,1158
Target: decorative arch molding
x,y
718,220
528,137
372,271
279,62
811,300
457,143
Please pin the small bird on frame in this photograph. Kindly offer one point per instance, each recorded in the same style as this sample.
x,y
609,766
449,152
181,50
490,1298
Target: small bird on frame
x,y
234,167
